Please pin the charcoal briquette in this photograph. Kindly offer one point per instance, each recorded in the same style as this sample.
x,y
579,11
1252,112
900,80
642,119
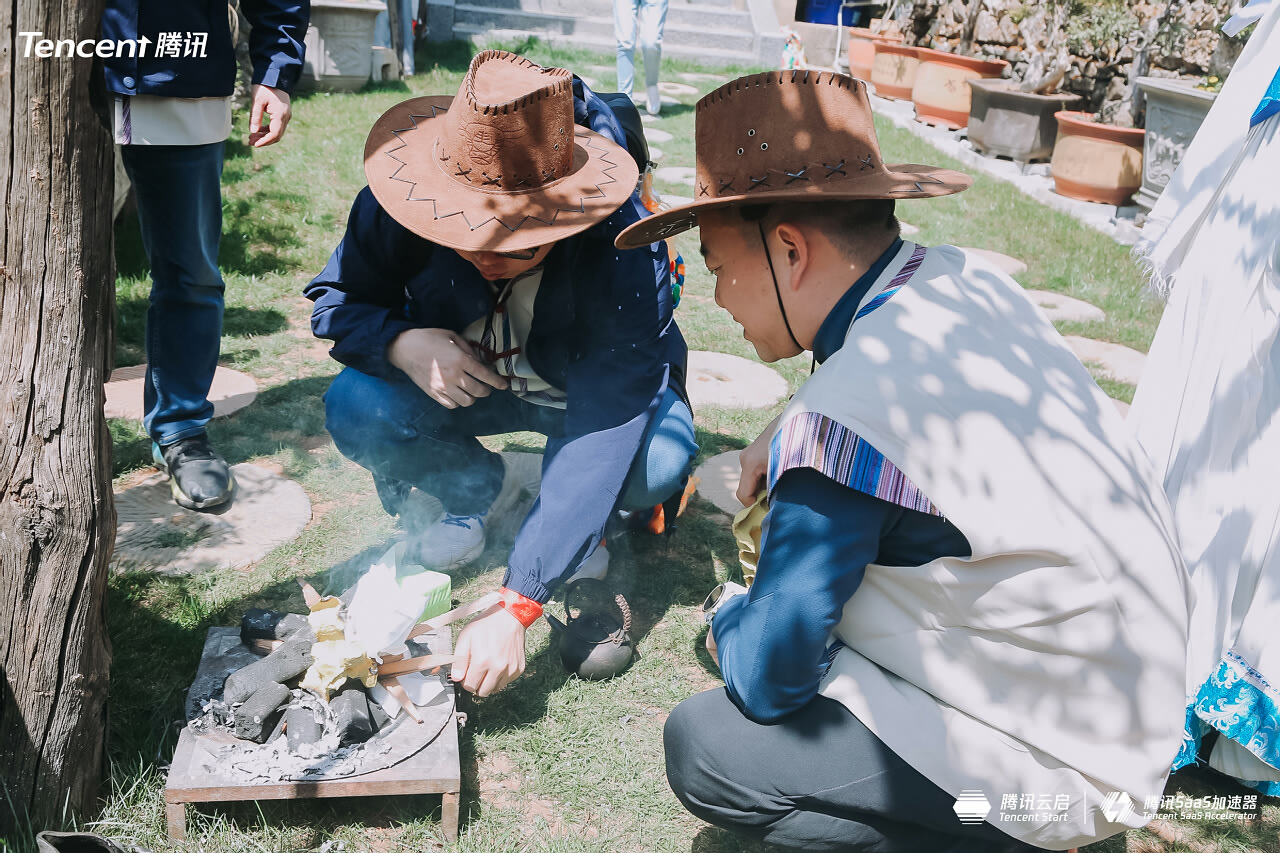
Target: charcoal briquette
x,y
257,717
351,709
289,661
302,725
260,624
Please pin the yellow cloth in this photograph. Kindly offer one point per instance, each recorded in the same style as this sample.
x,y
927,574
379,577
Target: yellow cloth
x,y
333,662
326,619
747,529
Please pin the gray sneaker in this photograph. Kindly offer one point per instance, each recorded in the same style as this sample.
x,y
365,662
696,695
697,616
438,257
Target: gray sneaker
x,y
199,477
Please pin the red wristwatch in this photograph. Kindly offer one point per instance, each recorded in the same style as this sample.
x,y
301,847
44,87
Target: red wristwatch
x,y
526,610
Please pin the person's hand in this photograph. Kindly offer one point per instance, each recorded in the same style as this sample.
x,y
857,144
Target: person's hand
x,y
490,653
275,103
442,364
754,460
711,646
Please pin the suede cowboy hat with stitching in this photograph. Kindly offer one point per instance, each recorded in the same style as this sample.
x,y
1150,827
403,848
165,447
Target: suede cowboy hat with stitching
x,y
789,136
501,166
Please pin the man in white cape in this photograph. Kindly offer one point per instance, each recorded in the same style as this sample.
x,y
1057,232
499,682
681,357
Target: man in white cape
x,y
967,628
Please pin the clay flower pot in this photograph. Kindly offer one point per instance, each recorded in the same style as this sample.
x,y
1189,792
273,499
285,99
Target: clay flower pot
x,y
941,91
1096,162
862,50
894,71
1006,122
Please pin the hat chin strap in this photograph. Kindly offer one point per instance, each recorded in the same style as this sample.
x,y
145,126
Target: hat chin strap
x,y
776,291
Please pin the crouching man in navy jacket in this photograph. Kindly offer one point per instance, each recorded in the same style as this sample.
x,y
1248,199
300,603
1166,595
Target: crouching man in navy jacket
x,y
477,291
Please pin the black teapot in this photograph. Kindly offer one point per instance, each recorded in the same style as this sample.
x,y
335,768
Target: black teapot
x,y
592,643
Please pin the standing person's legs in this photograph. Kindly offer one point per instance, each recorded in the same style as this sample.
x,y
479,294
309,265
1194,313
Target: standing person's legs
x,y
624,33
819,780
653,20
179,194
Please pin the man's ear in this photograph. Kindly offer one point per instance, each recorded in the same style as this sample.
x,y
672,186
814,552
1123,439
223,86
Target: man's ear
x,y
798,252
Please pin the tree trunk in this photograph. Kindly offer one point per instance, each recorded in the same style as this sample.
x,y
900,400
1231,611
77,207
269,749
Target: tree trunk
x,y
57,520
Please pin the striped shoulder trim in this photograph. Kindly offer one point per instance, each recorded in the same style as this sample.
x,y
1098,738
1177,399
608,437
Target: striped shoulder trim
x,y
812,440
904,275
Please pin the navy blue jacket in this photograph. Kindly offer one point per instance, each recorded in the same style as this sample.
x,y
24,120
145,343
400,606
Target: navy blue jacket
x,y
602,332
275,46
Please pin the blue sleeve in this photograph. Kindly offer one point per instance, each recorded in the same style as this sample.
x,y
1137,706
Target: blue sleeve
x,y
276,40
817,540
359,296
614,385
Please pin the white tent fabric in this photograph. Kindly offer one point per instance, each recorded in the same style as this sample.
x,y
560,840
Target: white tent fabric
x,y
1207,410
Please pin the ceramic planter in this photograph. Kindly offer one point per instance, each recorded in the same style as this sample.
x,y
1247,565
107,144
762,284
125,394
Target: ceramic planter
x,y
340,44
1175,111
894,71
1096,162
862,50
1008,123
941,91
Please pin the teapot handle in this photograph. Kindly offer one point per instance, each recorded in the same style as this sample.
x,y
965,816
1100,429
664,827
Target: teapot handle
x,y
600,590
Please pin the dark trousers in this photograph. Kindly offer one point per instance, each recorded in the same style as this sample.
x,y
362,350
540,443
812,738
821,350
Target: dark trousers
x,y
392,428
818,780
180,209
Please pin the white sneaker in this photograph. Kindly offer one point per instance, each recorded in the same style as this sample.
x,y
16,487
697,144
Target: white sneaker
x,y
655,101
596,566
456,540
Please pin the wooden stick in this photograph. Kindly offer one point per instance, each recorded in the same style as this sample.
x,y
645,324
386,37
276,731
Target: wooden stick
x,y
394,688
481,606
418,664
265,647
309,594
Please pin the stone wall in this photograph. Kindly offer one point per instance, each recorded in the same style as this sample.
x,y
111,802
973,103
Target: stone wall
x,y
1103,51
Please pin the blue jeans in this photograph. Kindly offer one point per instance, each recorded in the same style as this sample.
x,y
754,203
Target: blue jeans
x,y
180,209
644,19
392,428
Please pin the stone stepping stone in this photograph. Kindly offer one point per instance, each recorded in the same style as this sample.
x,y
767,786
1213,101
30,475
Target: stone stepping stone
x,y
1119,362
908,230
590,81
653,134
1011,266
155,534
700,77
231,391
718,481
677,90
676,200
648,119
655,154
717,379
676,174
1059,307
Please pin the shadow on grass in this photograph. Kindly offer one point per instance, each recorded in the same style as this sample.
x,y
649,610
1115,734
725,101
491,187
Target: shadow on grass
x,y
451,56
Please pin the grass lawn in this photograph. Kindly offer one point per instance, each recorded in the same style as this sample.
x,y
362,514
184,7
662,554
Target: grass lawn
x,y
551,763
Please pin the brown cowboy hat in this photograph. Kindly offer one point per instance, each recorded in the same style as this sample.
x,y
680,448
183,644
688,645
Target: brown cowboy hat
x,y
789,136
501,167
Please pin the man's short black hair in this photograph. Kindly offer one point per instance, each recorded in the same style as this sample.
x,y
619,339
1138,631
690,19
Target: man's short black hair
x,y
844,222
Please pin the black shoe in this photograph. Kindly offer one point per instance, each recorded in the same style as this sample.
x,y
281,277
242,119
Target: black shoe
x,y
199,477
80,842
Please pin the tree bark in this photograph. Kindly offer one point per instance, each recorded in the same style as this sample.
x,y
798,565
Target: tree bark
x,y
57,519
